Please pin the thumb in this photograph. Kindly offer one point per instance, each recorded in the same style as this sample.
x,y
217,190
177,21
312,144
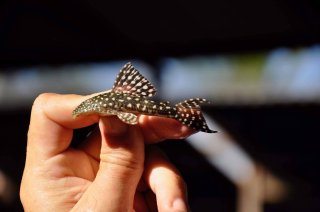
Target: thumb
x,y
121,167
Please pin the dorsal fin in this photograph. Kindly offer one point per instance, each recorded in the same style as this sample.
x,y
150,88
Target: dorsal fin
x,y
130,81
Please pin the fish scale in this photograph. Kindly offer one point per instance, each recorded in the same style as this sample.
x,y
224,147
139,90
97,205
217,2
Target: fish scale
x,y
129,97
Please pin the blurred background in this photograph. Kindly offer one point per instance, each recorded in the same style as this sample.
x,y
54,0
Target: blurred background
x,y
257,61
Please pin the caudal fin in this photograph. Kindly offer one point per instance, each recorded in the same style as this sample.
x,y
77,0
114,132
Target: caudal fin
x,y
189,113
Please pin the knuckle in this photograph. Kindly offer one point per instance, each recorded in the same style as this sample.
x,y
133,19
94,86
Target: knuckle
x,y
38,111
121,159
41,100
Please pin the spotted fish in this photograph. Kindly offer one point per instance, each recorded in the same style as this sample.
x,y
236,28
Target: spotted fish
x,y
129,97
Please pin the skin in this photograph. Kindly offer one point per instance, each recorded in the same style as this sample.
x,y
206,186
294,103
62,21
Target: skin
x,y
113,170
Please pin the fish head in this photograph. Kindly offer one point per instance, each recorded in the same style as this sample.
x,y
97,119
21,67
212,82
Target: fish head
x,y
92,105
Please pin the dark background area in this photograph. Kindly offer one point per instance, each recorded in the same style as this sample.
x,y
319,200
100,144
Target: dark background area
x,y
282,137
42,32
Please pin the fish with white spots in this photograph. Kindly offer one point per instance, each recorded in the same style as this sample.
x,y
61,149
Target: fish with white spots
x,y
129,97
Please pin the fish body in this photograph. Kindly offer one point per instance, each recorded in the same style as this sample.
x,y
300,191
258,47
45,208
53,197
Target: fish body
x,y
129,97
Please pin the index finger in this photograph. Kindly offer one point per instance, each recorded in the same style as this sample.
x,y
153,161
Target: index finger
x,y
156,129
51,125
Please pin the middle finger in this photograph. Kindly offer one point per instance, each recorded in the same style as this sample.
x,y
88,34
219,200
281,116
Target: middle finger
x,y
165,181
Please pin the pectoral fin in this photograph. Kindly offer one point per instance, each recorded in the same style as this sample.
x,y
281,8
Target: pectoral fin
x,y
128,118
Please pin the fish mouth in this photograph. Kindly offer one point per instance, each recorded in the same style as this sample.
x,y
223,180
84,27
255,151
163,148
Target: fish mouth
x,y
77,111
75,115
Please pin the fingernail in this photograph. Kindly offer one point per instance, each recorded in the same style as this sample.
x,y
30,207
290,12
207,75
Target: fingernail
x,y
180,205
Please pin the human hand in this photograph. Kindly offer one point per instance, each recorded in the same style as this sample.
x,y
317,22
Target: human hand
x,y
110,171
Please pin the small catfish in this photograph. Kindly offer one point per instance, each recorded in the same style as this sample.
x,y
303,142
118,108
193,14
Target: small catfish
x,y
128,99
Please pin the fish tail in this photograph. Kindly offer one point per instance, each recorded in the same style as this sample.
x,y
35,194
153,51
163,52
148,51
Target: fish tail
x,y
189,113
